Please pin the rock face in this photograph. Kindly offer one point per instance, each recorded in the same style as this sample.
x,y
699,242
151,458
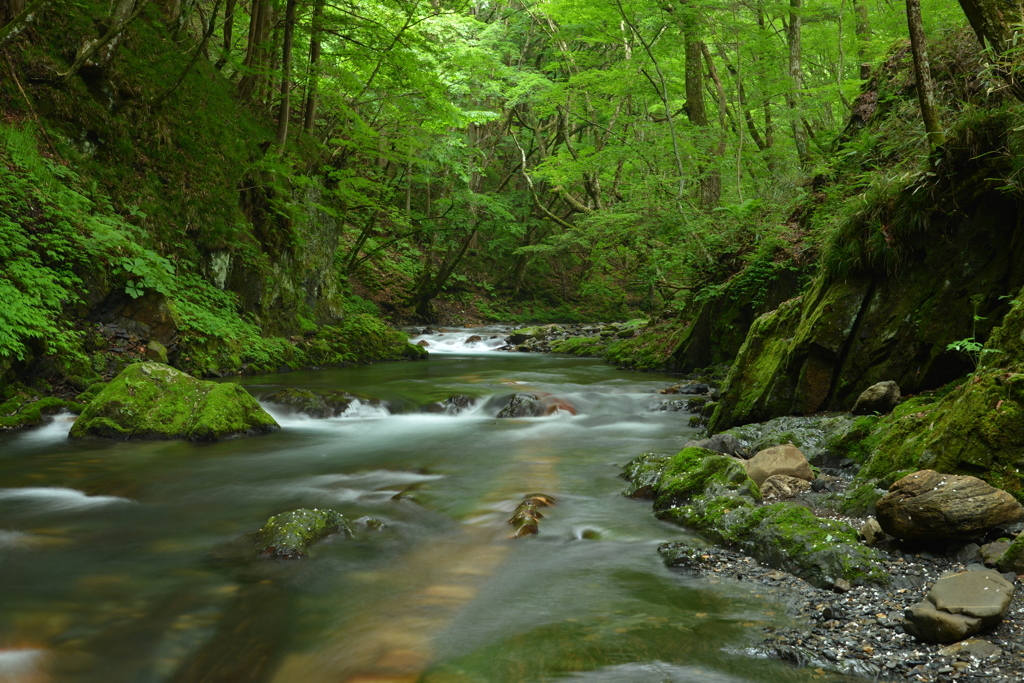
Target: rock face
x,y
878,398
154,401
782,486
303,401
290,534
785,459
959,606
927,505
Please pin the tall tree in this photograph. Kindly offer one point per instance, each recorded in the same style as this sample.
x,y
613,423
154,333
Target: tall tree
x,y
796,79
313,84
923,76
284,111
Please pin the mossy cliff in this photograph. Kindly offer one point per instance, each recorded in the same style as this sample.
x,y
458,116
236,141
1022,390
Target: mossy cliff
x,y
712,494
154,401
925,264
708,330
974,426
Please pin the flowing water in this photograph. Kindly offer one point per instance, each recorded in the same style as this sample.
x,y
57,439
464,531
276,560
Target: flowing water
x,y
122,561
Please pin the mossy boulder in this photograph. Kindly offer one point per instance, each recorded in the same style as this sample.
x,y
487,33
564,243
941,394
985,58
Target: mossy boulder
x,y
975,428
694,471
712,494
289,535
301,401
154,401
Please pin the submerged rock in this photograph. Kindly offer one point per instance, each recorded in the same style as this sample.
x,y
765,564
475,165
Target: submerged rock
x,y
927,505
527,514
959,606
302,401
878,398
453,405
290,534
154,401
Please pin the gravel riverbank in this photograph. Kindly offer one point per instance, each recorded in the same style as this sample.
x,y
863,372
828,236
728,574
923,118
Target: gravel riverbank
x,y
860,631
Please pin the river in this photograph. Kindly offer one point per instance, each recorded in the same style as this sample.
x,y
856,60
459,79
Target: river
x,y
119,562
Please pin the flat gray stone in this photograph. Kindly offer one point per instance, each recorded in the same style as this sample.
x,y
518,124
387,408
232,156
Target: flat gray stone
x,y
959,605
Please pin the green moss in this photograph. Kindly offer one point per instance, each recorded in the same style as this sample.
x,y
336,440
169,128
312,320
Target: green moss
x,y
91,392
302,400
976,428
644,473
154,401
580,346
1012,559
695,471
24,407
860,498
290,534
651,349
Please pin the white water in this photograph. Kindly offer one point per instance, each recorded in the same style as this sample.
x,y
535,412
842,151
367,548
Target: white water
x,y
454,340
57,498
53,431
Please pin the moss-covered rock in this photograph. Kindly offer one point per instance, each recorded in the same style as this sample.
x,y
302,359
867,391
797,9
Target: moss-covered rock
x,y
154,401
580,346
695,471
22,407
977,428
291,534
302,401
712,494
1012,560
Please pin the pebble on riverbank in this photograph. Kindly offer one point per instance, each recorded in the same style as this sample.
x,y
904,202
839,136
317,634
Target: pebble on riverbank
x,y
861,631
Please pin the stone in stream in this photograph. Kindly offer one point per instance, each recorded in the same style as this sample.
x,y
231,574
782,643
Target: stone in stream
x,y
785,459
959,606
527,514
878,398
154,401
289,535
302,401
927,505
453,405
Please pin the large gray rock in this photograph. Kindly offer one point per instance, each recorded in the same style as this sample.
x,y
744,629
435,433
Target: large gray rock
x,y
785,459
959,606
927,505
878,398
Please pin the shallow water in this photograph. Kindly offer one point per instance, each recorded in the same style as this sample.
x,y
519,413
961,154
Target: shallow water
x,y
117,561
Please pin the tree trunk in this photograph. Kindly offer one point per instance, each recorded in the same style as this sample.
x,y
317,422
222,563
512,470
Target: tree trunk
x,y
309,116
796,78
104,47
18,17
862,27
259,20
286,74
229,27
923,75
993,21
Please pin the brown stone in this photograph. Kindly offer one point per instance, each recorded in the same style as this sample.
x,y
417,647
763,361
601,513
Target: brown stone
x,y
927,505
785,459
959,606
783,486
878,398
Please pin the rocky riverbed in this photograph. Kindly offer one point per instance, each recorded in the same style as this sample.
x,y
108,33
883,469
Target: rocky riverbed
x,y
861,631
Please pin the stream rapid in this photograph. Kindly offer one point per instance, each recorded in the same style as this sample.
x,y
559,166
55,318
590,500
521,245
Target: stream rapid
x,y
119,562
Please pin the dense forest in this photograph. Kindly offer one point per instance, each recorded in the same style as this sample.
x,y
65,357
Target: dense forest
x,y
254,184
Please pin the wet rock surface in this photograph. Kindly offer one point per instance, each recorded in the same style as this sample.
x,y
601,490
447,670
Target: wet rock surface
x,y
929,505
878,398
862,631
